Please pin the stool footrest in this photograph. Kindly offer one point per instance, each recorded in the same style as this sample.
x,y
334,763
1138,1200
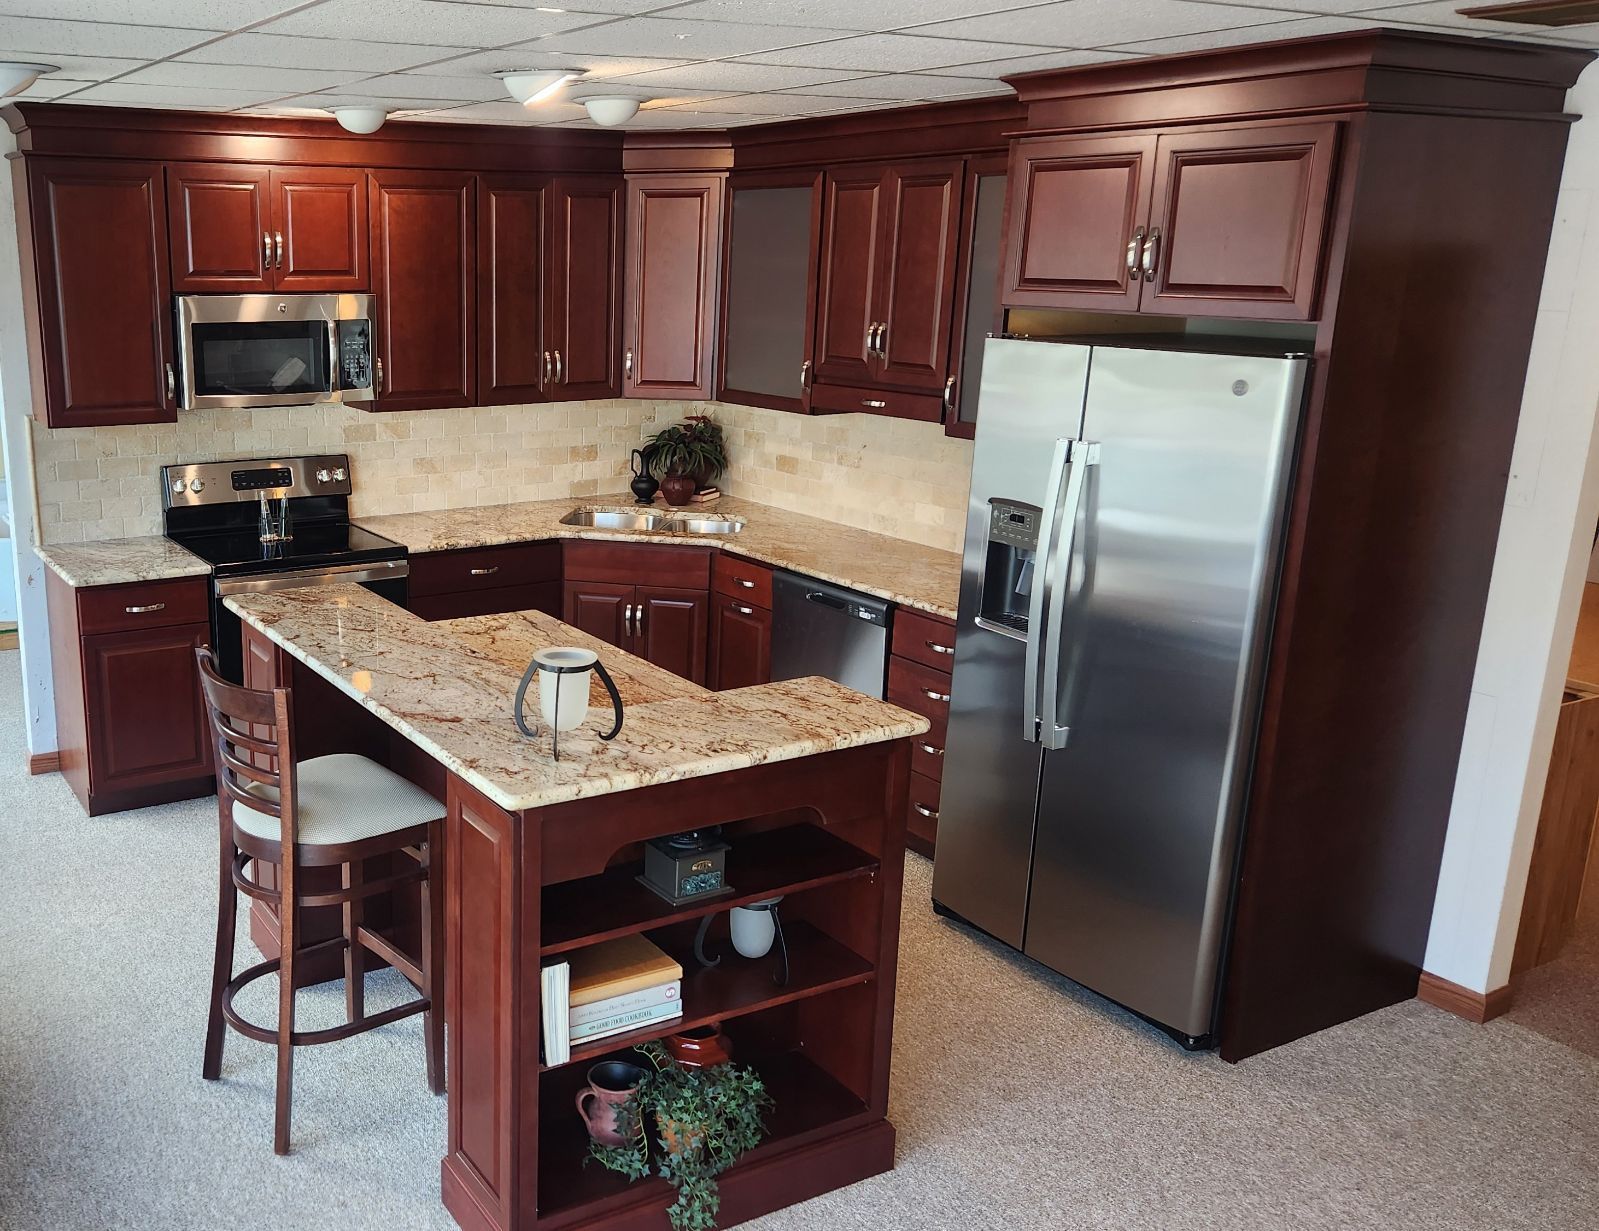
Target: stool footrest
x,y
307,1038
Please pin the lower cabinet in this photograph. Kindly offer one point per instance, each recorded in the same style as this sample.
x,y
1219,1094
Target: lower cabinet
x,y
648,600
921,657
741,623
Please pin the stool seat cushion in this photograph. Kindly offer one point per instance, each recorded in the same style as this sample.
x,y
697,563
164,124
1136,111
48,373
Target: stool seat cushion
x,y
343,798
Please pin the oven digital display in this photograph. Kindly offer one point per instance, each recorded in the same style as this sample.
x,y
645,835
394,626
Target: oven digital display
x,y
262,480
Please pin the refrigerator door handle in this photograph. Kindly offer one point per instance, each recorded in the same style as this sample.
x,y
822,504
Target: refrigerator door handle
x,y
1057,577
1042,600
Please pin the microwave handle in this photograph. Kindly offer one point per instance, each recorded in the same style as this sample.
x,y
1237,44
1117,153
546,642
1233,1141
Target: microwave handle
x,y
335,373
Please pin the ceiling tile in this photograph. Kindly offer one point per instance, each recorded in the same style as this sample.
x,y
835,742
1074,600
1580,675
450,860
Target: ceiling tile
x,y
684,40
392,103
906,86
1104,23
190,14
431,21
602,8
506,111
868,15
288,52
1295,8
896,52
419,85
30,36
735,76
1305,27
1034,64
89,68
190,98
755,104
523,56
275,82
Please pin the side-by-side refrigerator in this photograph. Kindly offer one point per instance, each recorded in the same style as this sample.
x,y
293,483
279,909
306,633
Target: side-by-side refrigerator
x,y
1122,548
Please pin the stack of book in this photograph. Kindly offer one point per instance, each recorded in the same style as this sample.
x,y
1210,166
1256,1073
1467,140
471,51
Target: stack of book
x,y
608,988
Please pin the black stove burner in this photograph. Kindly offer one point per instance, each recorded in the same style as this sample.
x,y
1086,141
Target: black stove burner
x,y
314,545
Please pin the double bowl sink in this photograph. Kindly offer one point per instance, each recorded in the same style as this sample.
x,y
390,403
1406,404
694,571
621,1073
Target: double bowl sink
x,y
651,520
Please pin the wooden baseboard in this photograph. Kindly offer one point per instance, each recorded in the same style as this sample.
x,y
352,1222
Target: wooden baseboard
x,y
44,763
1476,1007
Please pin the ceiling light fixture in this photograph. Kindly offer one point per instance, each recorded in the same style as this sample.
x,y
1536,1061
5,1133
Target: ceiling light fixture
x,y
15,78
609,110
529,87
360,119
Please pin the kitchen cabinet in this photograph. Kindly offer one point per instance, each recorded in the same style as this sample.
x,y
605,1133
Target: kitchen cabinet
x,y
582,314
741,623
674,242
921,659
977,312
243,228
449,585
1220,223
512,238
423,266
94,254
649,600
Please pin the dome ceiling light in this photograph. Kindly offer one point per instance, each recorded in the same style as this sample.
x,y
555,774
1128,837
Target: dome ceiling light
x,y
609,110
530,87
17,77
360,119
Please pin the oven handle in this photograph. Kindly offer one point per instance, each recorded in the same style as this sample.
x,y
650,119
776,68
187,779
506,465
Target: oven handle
x,y
348,574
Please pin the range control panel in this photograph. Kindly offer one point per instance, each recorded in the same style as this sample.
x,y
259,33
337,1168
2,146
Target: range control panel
x,y
326,474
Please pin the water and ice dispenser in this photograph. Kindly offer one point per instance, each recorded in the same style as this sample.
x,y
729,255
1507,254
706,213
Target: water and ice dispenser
x,y
1008,572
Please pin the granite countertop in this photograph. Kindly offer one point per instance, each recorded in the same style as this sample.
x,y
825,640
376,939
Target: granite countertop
x,y
116,562
448,687
890,568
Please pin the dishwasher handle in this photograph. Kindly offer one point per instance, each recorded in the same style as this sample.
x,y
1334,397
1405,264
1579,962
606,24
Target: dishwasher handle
x,y
827,600
848,603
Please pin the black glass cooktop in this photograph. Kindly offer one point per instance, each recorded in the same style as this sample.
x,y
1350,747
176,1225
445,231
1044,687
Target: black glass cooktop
x,y
314,545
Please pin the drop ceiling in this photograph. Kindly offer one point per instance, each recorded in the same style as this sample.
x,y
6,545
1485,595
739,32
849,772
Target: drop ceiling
x,y
702,63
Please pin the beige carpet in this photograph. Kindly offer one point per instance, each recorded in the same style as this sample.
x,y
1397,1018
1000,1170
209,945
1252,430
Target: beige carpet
x,y
1020,1102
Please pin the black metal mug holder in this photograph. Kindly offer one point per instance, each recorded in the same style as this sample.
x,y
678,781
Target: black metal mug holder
x,y
533,668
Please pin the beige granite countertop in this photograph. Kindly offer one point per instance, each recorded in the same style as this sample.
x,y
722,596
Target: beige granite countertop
x,y
903,572
115,562
448,687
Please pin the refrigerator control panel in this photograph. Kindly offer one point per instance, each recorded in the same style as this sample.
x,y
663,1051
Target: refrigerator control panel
x,y
1015,524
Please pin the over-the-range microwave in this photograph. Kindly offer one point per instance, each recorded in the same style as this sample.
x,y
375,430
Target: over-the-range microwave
x,y
275,350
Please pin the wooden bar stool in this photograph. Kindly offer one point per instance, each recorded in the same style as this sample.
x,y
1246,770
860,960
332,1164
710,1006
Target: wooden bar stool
x,y
333,810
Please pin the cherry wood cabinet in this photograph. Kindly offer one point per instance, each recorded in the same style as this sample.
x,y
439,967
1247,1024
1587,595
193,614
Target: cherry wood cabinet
x,y
921,221
512,238
847,297
649,600
423,268
94,251
977,312
582,311
448,585
603,609
741,644
674,243
321,214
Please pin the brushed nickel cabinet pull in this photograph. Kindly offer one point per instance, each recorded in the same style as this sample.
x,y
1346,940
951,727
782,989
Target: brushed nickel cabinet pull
x,y
266,250
931,751
939,649
560,371
627,364
949,394
743,610
871,335
145,608
1152,255
935,696
172,383
930,813
546,367
485,572
377,367
745,582
1135,247
277,239
805,375
874,403
638,620
627,620
882,340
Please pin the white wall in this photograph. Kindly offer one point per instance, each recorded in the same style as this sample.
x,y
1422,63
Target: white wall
x,y
1545,539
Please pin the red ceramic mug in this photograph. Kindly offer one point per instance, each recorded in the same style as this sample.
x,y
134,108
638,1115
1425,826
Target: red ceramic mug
x,y
610,1085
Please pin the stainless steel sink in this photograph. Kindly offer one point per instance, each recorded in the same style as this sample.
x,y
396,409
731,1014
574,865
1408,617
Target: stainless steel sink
x,y
611,519
705,525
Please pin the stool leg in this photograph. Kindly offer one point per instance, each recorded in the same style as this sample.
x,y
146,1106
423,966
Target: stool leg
x,y
288,914
222,961
432,955
354,873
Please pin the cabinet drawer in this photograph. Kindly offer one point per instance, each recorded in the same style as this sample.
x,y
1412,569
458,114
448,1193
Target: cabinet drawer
x,y
742,579
150,604
927,756
484,568
922,691
829,399
921,813
924,638
643,564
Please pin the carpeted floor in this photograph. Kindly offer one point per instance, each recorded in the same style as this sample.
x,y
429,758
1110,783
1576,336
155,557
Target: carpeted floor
x,y
1020,1102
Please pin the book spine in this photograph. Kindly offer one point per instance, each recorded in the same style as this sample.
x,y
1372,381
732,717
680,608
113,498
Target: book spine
x,y
646,998
627,1021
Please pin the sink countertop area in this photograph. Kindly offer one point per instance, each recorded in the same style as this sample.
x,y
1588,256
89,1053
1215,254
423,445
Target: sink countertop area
x,y
116,562
448,687
894,569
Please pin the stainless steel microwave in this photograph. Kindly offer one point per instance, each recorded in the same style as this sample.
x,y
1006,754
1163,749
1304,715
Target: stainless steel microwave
x,y
275,350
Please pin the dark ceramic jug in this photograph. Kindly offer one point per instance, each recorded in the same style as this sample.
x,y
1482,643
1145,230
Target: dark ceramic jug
x,y
644,485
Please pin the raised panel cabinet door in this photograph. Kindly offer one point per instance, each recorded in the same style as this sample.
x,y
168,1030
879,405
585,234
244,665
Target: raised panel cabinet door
x,y
603,609
146,716
1075,217
422,278
741,644
674,237
219,227
99,263
583,304
319,229
917,289
846,293
672,629
977,313
1238,222
511,246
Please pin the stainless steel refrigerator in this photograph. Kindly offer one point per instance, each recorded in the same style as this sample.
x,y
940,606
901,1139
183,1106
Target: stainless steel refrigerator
x,y
1122,546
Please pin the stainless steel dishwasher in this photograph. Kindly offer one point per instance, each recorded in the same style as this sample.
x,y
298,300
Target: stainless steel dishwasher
x,y
823,629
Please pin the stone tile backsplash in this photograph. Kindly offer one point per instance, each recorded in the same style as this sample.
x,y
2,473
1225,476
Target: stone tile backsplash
x,y
896,477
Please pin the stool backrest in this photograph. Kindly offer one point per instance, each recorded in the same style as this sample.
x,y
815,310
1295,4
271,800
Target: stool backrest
x,y
251,729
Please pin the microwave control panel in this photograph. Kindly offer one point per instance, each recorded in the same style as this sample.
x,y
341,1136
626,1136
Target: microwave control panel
x,y
355,354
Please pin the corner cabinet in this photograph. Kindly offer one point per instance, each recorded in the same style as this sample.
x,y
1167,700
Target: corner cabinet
x,y
94,247
674,242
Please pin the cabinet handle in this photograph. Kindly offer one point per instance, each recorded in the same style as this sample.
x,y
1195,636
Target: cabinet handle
x,y
277,239
930,813
638,620
146,608
932,751
871,336
949,394
377,367
172,384
1152,254
546,367
627,620
745,582
485,572
1135,246
743,610
882,340
266,250
939,649
874,403
560,372
805,376
627,364
935,696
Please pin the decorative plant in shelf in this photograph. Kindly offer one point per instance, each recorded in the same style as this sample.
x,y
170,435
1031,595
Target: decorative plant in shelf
x,y
705,1118
687,455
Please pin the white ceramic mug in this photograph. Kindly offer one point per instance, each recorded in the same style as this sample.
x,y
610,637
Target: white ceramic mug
x,y
753,927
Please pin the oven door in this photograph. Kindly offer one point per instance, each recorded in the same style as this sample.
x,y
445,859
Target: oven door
x,y
264,350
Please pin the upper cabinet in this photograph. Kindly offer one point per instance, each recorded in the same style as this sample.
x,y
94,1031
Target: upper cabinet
x,y
581,315
98,264
976,292
674,242
512,238
1209,223
243,228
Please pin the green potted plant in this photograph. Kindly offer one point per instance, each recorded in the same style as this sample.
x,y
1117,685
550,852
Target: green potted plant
x,y
686,456
705,1119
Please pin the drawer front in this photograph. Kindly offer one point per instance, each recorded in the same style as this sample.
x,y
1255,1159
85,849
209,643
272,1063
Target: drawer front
x,y
151,604
927,756
923,691
742,579
925,639
827,399
484,568
642,564
921,809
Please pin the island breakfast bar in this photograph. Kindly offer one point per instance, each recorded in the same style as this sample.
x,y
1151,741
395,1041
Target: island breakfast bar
x,y
540,859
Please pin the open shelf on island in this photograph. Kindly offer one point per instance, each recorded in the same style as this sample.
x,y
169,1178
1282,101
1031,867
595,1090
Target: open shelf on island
x,y
817,964
762,865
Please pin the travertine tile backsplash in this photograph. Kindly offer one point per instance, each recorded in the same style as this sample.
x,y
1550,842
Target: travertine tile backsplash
x,y
899,478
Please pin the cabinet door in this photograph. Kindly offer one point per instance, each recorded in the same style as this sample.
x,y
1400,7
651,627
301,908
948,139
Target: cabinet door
x,y
146,716
319,229
600,608
582,304
219,223
672,629
1238,222
674,238
1076,208
741,644
511,244
917,286
99,261
846,297
422,272
976,294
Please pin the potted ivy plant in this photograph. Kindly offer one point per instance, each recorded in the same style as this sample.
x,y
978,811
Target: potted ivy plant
x,y
686,456
704,1119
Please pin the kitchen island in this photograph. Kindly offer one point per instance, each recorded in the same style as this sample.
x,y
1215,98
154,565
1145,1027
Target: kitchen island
x,y
541,857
